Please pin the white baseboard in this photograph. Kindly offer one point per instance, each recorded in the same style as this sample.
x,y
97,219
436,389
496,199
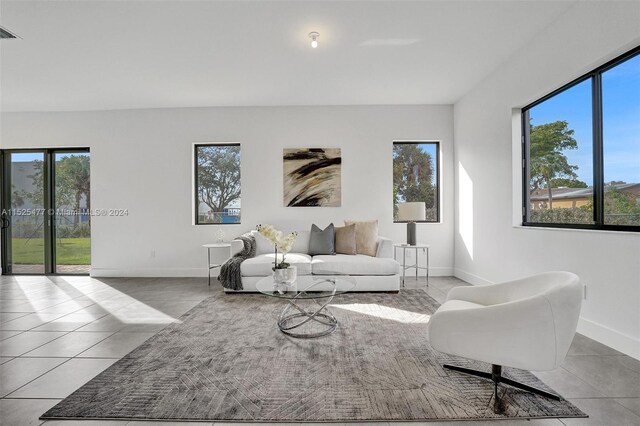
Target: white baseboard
x,y
598,332
150,272
470,278
612,338
438,271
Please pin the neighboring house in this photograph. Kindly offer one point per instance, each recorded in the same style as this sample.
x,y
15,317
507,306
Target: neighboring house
x,y
564,198
229,214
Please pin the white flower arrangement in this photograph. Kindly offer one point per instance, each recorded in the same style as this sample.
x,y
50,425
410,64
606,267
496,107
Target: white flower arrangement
x,y
282,242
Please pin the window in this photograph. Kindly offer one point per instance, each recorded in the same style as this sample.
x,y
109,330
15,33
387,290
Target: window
x,y
581,165
217,184
416,174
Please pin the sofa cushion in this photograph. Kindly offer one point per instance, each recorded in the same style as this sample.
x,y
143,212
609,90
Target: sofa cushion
x,y
263,246
354,265
260,266
322,241
346,239
366,236
301,244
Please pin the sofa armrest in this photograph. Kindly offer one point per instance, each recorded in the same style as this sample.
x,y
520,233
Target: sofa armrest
x,y
385,248
236,247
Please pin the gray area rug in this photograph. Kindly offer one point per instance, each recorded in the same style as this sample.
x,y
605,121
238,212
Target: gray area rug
x,y
227,360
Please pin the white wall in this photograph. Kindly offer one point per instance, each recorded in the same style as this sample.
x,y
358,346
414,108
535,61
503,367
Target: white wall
x,y
141,160
488,247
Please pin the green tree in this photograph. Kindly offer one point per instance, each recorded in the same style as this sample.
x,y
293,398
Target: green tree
x,y
412,176
17,197
546,155
218,177
568,183
73,181
36,195
620,208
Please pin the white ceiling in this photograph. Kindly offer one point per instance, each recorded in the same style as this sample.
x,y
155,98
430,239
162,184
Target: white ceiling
x,y
93,55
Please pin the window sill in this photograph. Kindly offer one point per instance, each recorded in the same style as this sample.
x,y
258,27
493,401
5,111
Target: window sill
x,y
598,231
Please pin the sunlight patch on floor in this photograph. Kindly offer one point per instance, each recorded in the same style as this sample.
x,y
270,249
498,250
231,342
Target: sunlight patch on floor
x,y
386,312
130,310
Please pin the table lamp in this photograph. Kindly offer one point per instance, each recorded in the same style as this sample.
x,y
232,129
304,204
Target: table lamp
x,y
410,213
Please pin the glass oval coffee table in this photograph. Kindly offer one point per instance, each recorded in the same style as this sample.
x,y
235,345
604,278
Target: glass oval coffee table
x,y
318,291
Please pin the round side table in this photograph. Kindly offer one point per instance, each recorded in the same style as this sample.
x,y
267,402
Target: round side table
x,y
215,246
404,247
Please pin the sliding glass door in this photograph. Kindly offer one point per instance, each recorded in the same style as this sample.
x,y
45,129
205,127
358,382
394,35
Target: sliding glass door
x,y
46,227
24,212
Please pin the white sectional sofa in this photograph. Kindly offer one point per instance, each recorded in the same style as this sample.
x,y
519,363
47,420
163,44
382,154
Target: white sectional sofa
x,y
379,273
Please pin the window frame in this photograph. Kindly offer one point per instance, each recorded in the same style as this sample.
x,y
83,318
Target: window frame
x,y
595,76
437,177
196,184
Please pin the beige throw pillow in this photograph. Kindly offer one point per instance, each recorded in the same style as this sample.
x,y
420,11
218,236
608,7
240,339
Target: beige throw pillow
x,y
346,239
366,236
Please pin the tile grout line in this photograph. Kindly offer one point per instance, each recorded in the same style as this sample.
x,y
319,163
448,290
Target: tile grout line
x,y
19,332
613,399
25,314
8,396
36,312
65,333
44,356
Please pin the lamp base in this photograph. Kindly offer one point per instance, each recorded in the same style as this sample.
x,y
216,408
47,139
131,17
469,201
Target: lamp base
x,y
411,233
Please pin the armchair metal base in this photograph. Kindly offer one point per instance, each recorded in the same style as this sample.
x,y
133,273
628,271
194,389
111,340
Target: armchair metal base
x,y
496,377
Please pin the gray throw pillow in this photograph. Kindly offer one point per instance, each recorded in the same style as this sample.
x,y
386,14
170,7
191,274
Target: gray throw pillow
x,y
322,241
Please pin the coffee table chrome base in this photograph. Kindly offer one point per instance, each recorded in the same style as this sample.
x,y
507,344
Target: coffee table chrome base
x,y
287,322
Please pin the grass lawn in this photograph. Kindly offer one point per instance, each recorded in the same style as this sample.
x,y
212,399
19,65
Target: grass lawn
x,y
69,251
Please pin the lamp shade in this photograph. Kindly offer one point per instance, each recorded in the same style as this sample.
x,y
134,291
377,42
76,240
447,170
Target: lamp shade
x,y
412,211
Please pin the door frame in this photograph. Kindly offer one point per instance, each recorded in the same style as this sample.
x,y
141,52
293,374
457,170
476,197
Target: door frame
x,y
49,185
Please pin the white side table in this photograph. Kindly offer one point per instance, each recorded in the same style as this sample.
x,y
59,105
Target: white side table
x,y
215,246
404,248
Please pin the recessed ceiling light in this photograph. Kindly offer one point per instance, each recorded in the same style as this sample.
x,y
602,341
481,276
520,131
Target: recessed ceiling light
x,y
314,36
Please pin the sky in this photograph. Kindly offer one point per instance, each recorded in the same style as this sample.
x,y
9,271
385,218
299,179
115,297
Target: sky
x,y
20,157
621,122
429,148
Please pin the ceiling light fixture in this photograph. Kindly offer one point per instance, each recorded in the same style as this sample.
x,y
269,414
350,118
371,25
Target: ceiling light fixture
x,y
314,39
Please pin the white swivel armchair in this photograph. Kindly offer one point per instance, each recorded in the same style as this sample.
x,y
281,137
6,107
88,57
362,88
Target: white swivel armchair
x,y
527,323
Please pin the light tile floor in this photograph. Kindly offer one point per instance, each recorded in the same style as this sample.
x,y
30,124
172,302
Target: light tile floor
x,y
56,333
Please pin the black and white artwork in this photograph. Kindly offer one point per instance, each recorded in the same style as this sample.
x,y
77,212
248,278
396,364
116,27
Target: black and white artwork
x,y
312,177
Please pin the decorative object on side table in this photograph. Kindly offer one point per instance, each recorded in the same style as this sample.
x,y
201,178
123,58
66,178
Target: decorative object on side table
x,y
283,272
411,213
220,235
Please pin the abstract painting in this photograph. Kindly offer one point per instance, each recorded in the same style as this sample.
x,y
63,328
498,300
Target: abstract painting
x,y
312,177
